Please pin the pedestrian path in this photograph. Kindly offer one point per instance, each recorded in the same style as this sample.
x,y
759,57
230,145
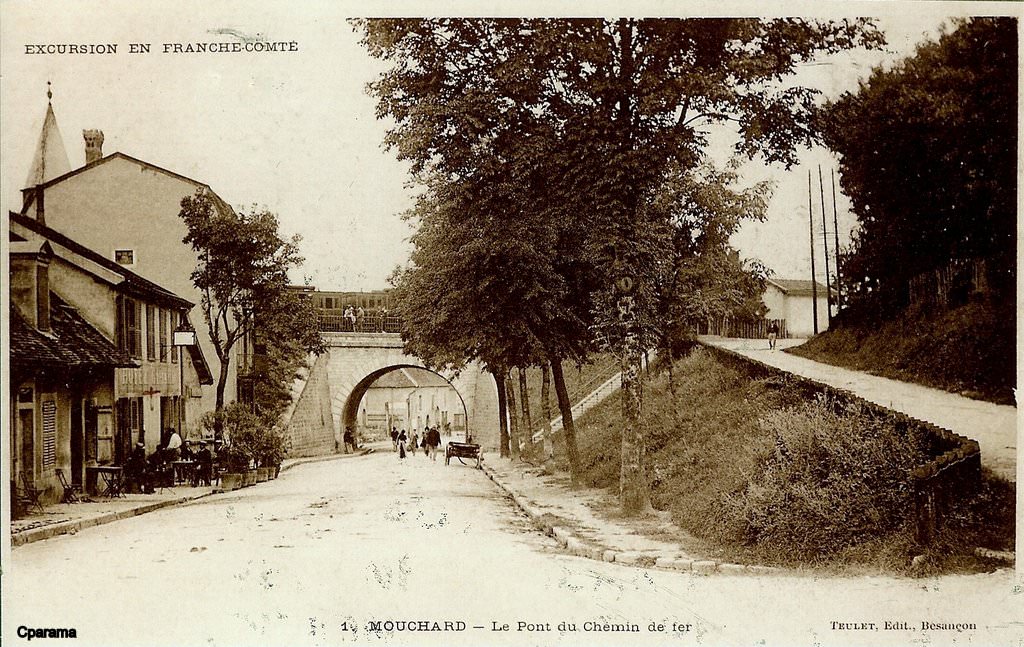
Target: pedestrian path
x,y
587,523
994,426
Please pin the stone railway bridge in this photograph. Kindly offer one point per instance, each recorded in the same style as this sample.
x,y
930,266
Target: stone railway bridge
x,y
326,399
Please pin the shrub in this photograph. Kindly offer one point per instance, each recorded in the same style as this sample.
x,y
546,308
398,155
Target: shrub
x,y
832,479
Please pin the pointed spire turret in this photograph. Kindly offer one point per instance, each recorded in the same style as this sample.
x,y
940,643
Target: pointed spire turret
x,y
50,159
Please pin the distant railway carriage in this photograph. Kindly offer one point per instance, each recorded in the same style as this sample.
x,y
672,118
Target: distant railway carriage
x,y
334,303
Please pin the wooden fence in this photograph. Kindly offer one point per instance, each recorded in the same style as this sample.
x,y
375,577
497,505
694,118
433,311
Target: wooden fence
x,y
742,328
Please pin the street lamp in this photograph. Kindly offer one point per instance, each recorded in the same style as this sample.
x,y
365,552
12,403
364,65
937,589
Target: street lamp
x,y
184,335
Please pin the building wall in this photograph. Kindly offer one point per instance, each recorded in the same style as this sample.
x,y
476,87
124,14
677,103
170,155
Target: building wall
x,y
122,205
797,310
413,404
310,429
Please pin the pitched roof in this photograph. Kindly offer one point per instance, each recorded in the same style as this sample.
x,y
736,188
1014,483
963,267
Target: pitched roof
x,y
50,159
132,284
797,286
72,342
409,378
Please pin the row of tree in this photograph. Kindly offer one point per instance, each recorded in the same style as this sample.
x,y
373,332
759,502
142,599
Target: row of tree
x,y
929,161
568,202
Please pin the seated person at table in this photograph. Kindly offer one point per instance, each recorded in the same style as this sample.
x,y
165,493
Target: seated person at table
x,y
203,473
160,471
172,445
135,469
186,451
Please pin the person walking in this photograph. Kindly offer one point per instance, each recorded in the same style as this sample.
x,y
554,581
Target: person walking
x,y
394,439
401,444
433,443
773,335
413,442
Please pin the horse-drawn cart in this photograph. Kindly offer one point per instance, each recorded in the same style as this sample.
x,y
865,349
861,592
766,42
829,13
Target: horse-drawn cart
x,y
463,450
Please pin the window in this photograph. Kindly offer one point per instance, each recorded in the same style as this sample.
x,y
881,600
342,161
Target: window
x,y
129,326
151,314
124,257
165,347
173,323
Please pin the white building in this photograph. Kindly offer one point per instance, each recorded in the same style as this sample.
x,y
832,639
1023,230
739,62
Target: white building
x,y
793,300
411,399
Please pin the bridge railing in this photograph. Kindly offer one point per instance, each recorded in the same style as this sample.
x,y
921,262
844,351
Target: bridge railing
x,y
364,324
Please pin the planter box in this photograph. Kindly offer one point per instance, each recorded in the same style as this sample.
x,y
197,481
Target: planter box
x,y
249,478
230,481
261,474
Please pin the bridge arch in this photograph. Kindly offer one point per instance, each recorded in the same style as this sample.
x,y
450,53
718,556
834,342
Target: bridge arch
x,y
350,409
354,361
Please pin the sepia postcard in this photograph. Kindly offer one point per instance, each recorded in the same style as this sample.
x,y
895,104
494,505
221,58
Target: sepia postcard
x,y
601,323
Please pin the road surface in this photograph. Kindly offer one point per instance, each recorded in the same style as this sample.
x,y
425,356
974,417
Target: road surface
x,y
316,556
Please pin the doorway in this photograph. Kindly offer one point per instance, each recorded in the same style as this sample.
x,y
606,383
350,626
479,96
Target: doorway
x,y
77,442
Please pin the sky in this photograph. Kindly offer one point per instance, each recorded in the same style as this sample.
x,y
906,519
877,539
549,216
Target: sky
x,y
296,133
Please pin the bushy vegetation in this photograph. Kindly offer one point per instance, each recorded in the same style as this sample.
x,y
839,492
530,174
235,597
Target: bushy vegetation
x,y
759,474
968,350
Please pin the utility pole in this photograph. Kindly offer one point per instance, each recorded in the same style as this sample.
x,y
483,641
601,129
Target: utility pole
x,y
824,237
835,224
814,284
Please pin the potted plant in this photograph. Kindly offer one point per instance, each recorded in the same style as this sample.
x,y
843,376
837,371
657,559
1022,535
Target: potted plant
x,y
272,451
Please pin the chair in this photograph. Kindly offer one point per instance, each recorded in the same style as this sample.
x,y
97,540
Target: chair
x,y
71,492
30,493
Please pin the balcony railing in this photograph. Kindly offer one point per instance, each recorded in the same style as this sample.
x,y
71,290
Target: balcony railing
x,y
364,324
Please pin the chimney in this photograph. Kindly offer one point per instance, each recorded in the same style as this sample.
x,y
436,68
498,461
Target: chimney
x,y
93,145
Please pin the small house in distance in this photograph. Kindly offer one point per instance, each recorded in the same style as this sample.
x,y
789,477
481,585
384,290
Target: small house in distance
x,y
793,300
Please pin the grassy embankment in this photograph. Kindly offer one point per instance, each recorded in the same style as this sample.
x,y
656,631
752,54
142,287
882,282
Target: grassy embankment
x,y
759,475
970,350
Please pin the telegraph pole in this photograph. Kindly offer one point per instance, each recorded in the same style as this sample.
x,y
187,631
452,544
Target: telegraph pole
x,y
835,223
814,284
824,237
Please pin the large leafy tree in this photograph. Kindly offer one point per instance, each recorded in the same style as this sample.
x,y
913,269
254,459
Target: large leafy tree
x,y
242,273
929,160
605,110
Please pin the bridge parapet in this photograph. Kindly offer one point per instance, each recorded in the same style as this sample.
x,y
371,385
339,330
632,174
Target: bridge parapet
x,y
362,340
378,324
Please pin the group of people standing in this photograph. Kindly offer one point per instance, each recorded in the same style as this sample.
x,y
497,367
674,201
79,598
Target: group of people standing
x,y
429,441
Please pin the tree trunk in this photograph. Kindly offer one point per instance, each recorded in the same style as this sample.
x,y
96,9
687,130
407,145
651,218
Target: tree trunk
x,y
633,494
524,398
568,426
513,416
499,381
545,407
677,422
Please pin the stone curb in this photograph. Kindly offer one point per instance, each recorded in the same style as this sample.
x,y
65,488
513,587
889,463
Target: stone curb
x,y
72,527
328,457
583,548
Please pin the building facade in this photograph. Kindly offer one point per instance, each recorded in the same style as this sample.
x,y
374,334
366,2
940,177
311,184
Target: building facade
x,y
93,367
793,300
126,210
411,399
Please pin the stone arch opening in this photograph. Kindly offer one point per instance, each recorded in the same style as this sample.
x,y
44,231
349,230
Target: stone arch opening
x,y
350,410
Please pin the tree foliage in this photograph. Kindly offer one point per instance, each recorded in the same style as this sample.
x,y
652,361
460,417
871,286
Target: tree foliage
x,y
929,160
243,270
541,141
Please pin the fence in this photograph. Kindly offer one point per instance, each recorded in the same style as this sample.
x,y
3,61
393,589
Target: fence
x,y
949,285
741,328
364,324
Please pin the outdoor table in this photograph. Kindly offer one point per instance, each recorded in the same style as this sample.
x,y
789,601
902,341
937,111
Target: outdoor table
x,y
112,477
183,471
